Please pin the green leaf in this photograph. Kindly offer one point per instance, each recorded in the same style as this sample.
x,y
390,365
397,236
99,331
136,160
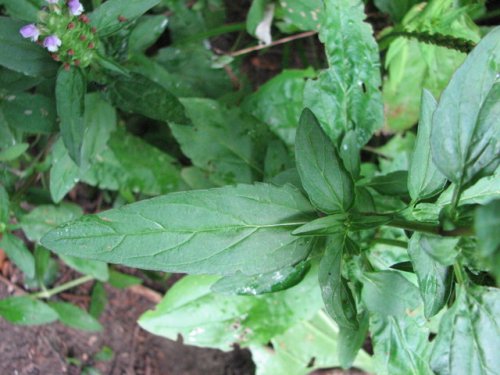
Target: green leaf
x,y
465,131
337,295
469,334
19,254
21,55
98,301
351,153
105,354
26,311
263,283
328,184
70,98
255,15
12,153
236,228
233,319
107,17
434,279
34,114
279,103
347,95
121,165
441,249
395,8
401,345
330,224
389,294
306,346
138,94
393,183
64,174
299,15
75,317
424,179
224,142
94,268
146,32
46,217
482,192
121,280
26,10
4,207
351,340
488,242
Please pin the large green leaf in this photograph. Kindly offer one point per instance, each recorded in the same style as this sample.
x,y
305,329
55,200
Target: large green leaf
x,y
70,98
4,207
469,334
279,103
22,55
328,184
337,296
350,341
227,144
434,279
347,96
30,113
222,231
488,241
138,94
116,14
26,311
205,318
465,131
26,10
299,15
18,253
424,179
388,293
146,32
306,346
395,8
401,345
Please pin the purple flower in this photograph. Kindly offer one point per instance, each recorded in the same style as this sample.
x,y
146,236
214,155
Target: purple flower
x,y
75,8
30,31
52,43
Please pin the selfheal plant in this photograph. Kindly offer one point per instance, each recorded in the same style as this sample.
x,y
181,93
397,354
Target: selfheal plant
x,y
66,33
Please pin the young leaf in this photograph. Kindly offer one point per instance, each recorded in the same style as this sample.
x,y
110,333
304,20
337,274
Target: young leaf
x,y
330,224
70,98
328,184
434,279
19,254
21,55
347,96
113,15
26,311
424,179
98,300
389,294
236,228
337,296
469,334
263,283
465,130
75,317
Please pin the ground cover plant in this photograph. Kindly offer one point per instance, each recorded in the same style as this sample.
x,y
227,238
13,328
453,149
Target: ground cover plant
x,y
343,214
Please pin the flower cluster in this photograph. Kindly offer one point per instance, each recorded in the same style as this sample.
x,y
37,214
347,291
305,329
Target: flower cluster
x,y
65,31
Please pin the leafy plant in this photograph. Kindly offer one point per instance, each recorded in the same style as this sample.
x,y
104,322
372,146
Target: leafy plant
x,y
295,228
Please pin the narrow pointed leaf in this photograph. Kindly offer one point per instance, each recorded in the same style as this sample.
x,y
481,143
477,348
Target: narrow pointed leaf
x,y
237,228
326,181
26,311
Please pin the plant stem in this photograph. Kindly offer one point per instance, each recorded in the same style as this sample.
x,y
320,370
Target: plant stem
x,y
61,288
459,273
457,191
391,242
430,228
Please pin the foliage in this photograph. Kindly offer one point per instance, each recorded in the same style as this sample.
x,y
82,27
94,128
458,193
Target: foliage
x,y
300,221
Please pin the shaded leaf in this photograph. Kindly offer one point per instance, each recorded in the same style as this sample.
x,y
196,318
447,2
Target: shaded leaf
x,y
75,317
18,253
26,311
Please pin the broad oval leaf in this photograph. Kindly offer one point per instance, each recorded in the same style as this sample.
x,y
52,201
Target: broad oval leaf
x,y
26,311
465,132
337,296
75,317
434,279
244,228
328,184
424,178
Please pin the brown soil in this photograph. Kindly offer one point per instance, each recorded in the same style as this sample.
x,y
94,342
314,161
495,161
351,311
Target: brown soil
x,y
43,350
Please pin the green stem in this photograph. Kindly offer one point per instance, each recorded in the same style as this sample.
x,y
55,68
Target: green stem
x,y
459,273
390,242
457,191
430,228
61,288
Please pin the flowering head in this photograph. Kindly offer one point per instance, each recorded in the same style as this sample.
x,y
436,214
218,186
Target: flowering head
x,y
65,32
